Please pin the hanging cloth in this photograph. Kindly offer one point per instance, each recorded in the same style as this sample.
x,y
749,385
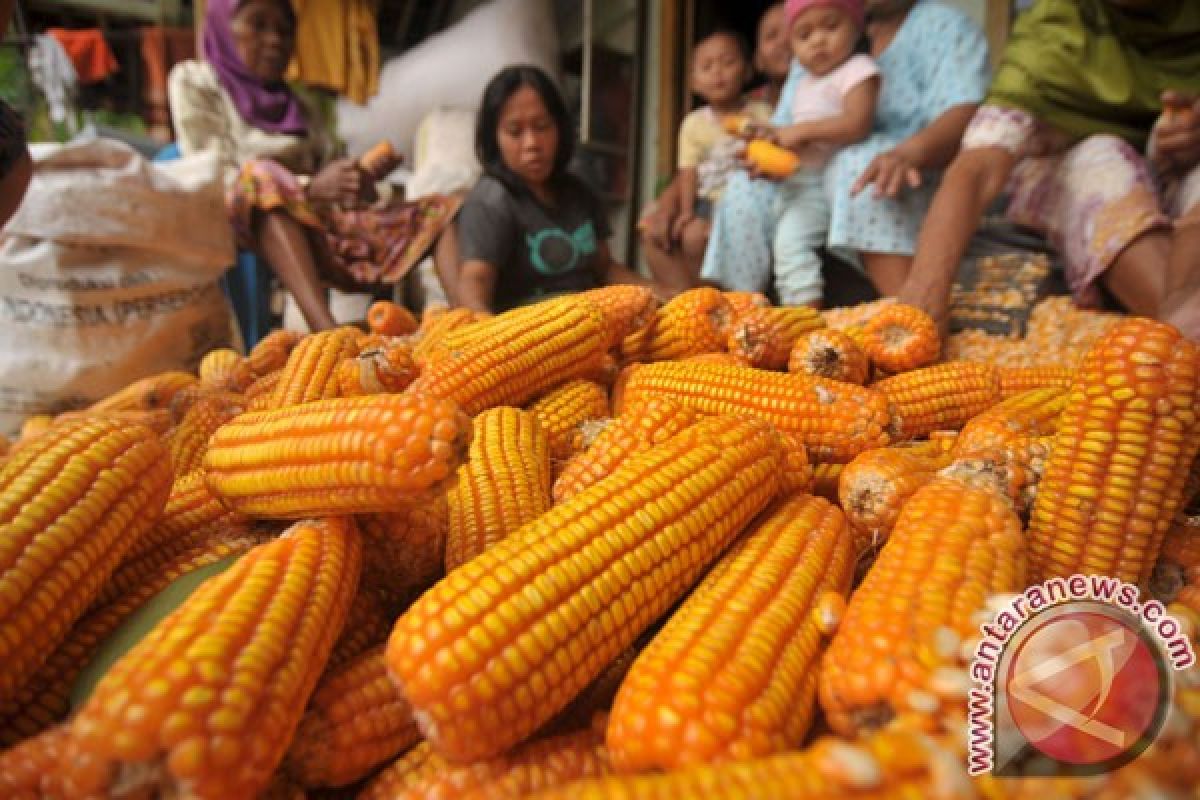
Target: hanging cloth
x,y
89,52
53,73
337,47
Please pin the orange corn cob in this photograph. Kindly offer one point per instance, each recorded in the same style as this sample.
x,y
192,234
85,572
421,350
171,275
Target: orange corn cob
x,y
368,622
272,351
835,421
533,766
34,426
562,411
225,368
642,426
826,478
519,630
206,703
1031,413
728,359
743,302
693,322
1177,574
626,309
72,503
1017,380
951,548
1115,477
356,720
551,343
156,419
45,698
407,550
855,316
732,675
829,353
390,319
261,394
192,512
410,769
389,368
597,697
189,396
771,159
347,455
311,370
435,325
187,441
1014,467
901,337
764,337
942,397
878,483
797,473
24,768
504,483
890,765
146,394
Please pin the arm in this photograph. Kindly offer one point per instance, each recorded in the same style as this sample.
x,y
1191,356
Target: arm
x,y
476,286
932,147
687,201
973,180
850,126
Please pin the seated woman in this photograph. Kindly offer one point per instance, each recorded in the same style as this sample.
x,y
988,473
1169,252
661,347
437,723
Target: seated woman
x,y
1083,87
529,229
933,60
329,228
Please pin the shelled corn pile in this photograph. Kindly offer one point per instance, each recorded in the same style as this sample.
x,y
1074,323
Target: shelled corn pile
x,y
591,548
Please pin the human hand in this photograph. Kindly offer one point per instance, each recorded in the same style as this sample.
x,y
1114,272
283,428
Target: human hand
x,y
1175,143
344,182
680,224
889,172
657,228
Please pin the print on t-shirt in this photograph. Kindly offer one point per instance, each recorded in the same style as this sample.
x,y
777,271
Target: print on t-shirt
x,y
553,251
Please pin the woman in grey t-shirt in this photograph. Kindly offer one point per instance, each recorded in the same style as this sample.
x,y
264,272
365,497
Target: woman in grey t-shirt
x,y
529,229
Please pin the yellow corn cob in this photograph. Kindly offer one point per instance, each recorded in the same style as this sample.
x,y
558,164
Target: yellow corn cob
x,y
419,763
550,343
562,411
24,768
34,426
835,421
741,303
533,766
72,504
188,440
642,426
390,319
311,370
407,550
504,483
44,699
829,353
225,369
941,397
192,512
855,316
1017,380
951,548
1115,477
1178,565
626,309
146,394
156,419
1015,468
764,337
1031,413
597,696
732,676
189,396
825,480
206,703
347,455
272,351
260,394
355,721
435,326
693,322
729,359
890,765
368,622
876,485
901,337
518,631
388,368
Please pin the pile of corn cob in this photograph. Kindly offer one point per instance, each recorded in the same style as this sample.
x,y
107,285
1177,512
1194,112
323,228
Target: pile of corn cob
x,y
590,548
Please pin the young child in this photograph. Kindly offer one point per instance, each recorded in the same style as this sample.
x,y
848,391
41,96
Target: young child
x,y
707,153
834,106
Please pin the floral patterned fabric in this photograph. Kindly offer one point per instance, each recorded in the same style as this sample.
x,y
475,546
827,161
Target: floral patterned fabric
x,y
1091,200
367,246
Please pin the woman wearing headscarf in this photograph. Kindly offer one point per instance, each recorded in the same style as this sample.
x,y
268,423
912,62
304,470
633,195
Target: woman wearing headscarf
x,y
1092,125
315,219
